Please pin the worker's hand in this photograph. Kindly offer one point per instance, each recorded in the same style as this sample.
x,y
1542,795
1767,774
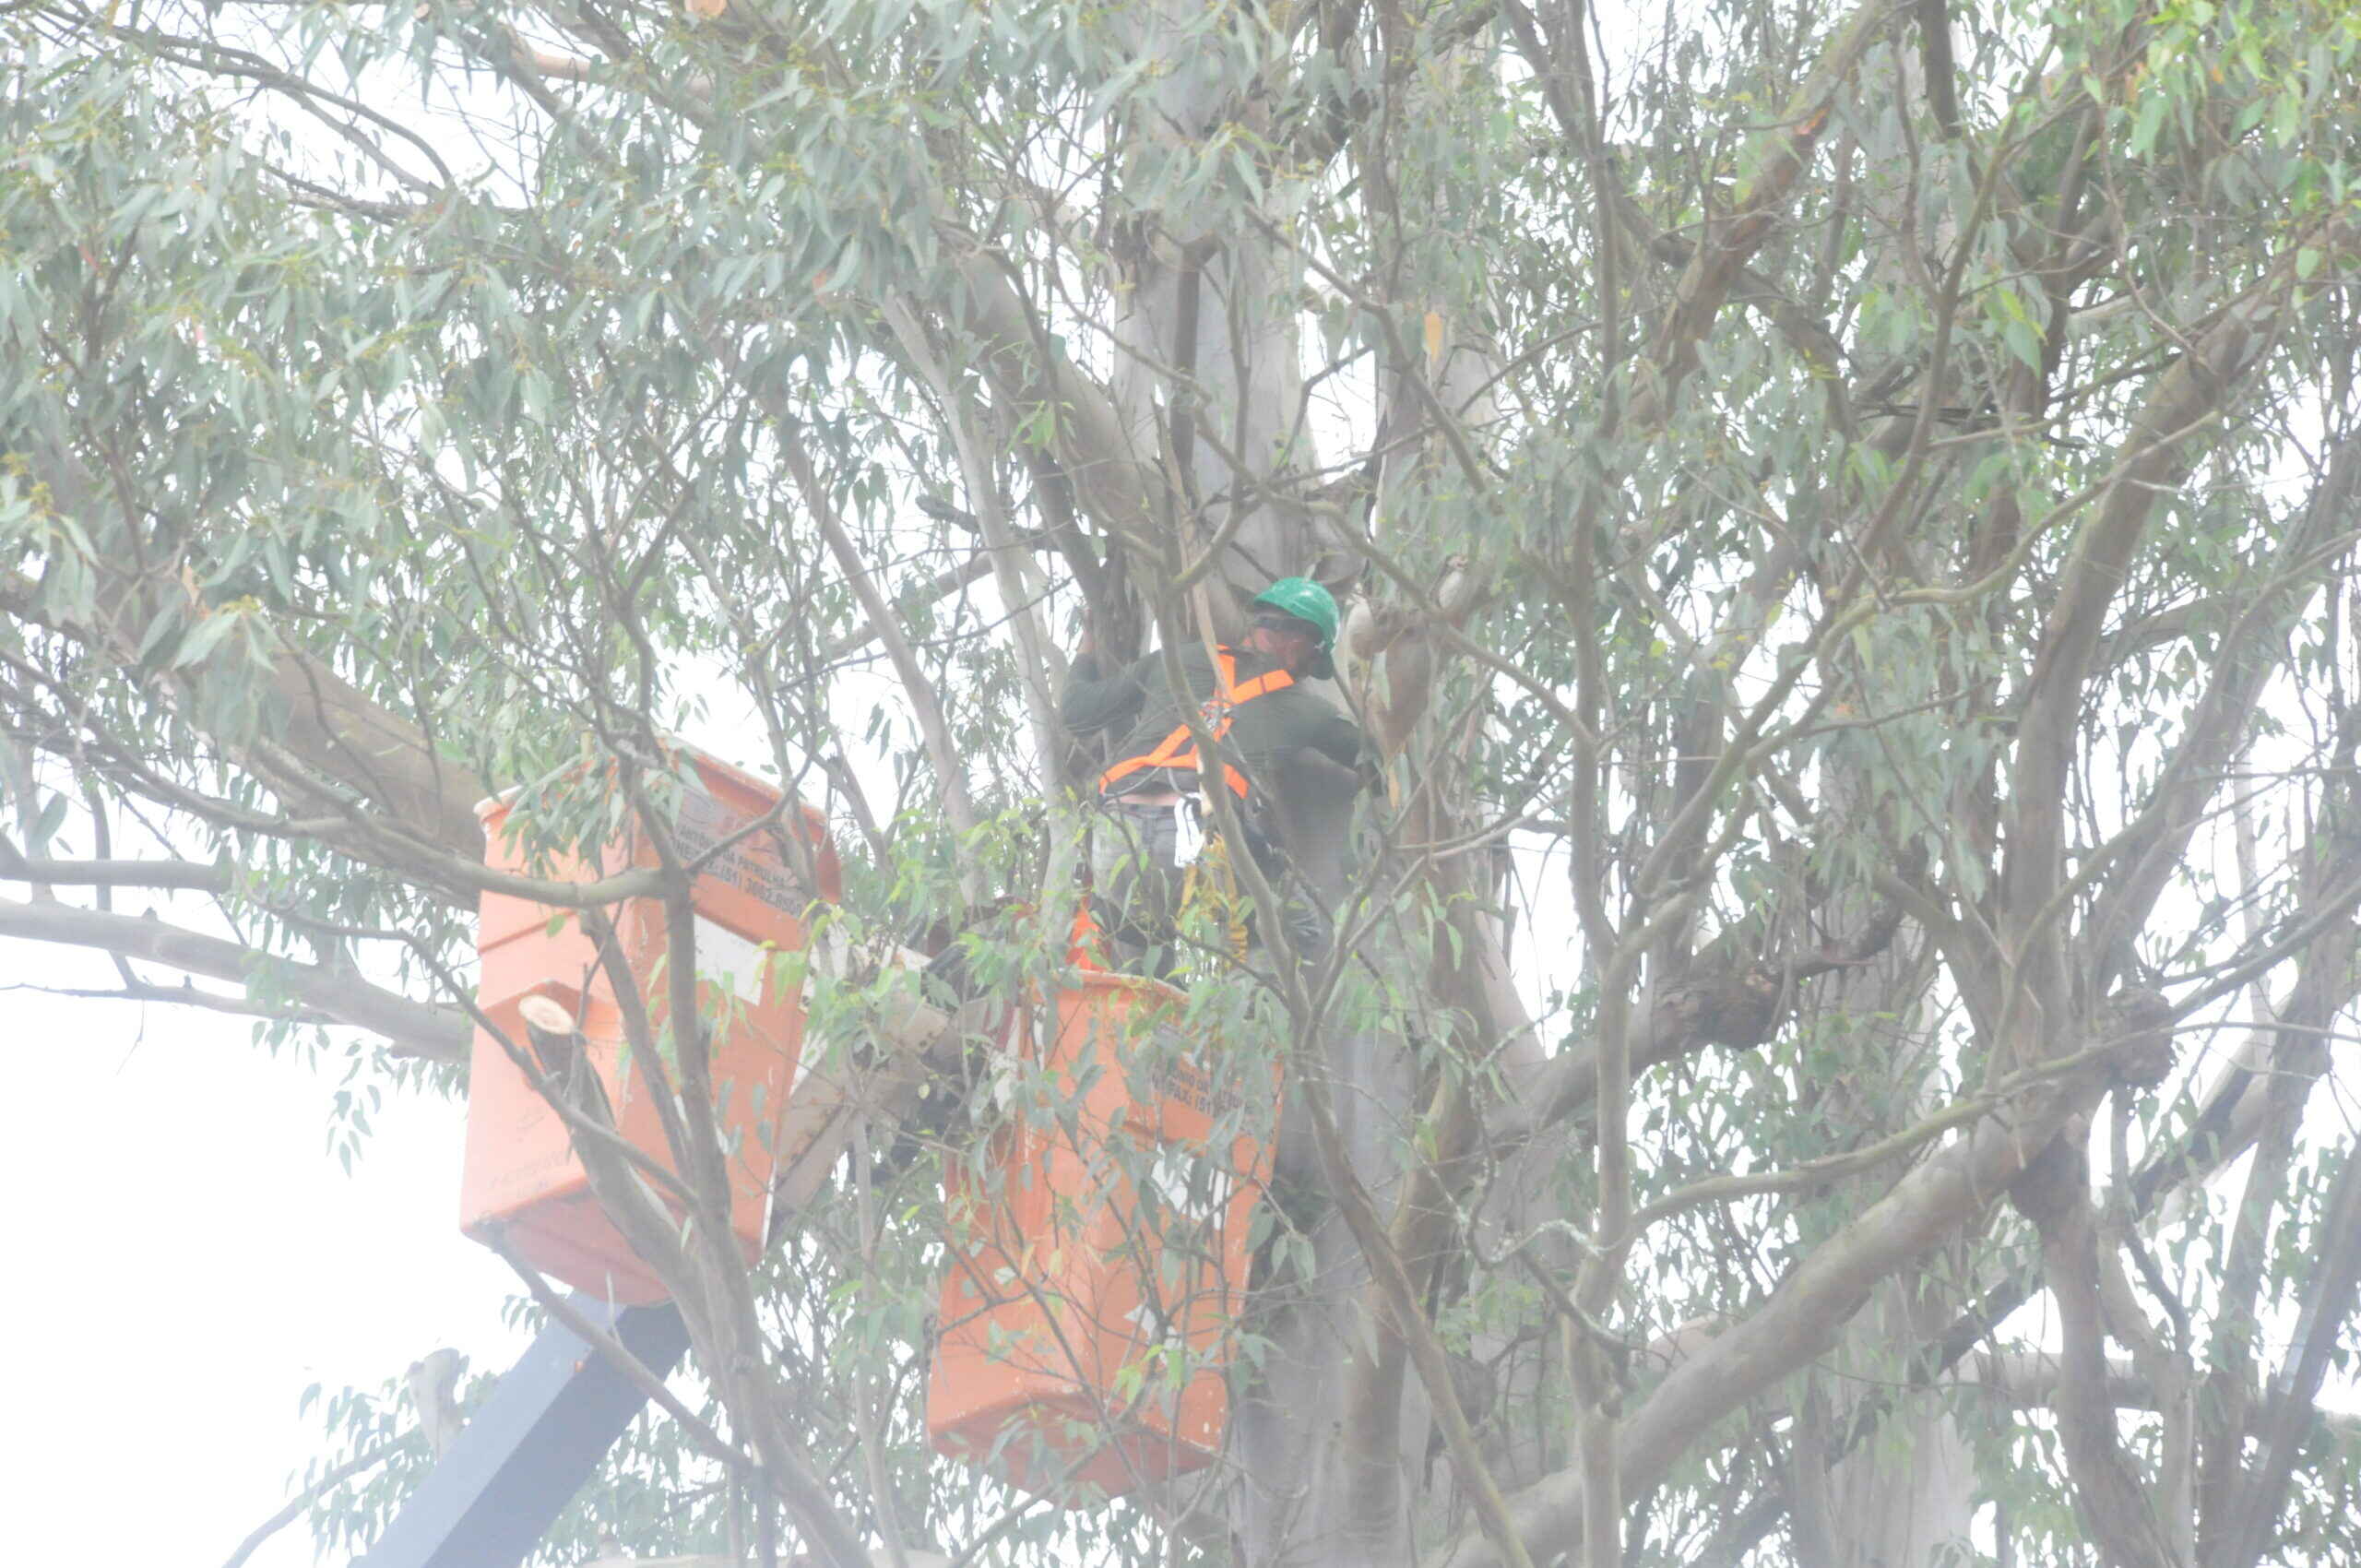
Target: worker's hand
x,y
1088,647
1372,774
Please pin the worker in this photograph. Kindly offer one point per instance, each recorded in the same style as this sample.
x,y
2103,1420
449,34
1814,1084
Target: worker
x,y
1251,700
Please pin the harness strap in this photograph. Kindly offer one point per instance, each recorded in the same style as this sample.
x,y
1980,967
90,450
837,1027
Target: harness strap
x,y
1177,750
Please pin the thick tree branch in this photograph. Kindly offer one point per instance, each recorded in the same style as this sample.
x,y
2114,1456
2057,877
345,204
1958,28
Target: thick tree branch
x,y
331,726
1408,1318
1776,159
2157,453
1117,486
1953,1189
414,1028
2109,1493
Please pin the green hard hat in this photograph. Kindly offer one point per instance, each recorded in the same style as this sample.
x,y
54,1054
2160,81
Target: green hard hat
x,y
1306,601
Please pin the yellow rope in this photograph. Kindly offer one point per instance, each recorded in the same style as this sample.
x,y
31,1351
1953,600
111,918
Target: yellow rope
x,y
1211,884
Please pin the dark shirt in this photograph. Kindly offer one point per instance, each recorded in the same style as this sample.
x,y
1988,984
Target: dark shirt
x,y
1138,703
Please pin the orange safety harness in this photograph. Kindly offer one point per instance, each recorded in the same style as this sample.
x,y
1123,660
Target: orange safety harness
x,y
1177,750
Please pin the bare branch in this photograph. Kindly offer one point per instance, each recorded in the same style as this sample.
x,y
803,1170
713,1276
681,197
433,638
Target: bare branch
x,y
933,723
181,875
366,1459
2288,1416
414,1028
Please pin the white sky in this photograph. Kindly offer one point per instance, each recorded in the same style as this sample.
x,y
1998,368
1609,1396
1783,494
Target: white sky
x,y
188,1256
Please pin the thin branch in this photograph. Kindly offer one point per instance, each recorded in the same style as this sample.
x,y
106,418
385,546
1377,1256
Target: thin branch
x,y
616,1355
183,876
309,1495
933,726
1816,1174
2288,1419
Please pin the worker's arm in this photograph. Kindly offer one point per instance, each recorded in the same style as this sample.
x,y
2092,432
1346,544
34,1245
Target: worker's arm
x,y
1094,700
1338,739
1311,725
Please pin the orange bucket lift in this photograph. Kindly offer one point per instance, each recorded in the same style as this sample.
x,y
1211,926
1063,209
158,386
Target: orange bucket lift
x,y
521,1174
1097,1270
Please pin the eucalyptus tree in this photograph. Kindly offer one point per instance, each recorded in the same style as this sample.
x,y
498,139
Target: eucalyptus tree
x,y
1847,522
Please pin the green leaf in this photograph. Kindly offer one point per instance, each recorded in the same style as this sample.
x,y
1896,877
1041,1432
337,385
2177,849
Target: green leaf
x,y
2023,341
203,639
45,827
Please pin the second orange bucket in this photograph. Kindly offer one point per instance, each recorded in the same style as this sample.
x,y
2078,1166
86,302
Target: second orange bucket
x,y
1099,1264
